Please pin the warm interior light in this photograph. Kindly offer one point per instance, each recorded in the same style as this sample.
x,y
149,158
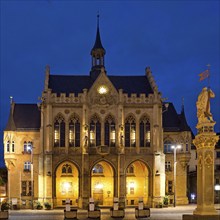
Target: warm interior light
x,y
217,187
131,184
66,186
99,186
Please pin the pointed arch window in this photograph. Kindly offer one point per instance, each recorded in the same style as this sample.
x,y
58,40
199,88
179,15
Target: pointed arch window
x,y
67,169
8,146
59,131
145,132
167,147
98,168
110,131
130,169
13,147
74,131
130,132
95,131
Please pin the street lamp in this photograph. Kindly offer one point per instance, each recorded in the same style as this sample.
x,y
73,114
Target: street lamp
x,y
175,147
30,148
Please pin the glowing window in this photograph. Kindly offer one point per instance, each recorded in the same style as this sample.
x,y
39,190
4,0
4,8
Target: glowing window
x,y
130,132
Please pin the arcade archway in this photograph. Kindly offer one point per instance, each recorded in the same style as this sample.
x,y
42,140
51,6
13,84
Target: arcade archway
x,y
102,183
67,183
137,183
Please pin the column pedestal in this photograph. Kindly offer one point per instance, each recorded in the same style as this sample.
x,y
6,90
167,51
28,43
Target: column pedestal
x,y
205,142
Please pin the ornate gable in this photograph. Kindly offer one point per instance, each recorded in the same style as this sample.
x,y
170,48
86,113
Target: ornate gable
x,y
102,93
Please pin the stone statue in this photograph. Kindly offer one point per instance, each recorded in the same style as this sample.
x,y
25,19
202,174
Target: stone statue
x,y
86,142
203,105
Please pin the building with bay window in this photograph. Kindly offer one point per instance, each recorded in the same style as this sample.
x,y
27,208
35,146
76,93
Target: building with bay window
x,y
96,135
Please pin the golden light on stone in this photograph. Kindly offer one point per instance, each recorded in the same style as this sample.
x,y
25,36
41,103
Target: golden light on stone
x,y
102,90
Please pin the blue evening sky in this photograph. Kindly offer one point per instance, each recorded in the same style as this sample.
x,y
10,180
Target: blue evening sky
x,y
177,39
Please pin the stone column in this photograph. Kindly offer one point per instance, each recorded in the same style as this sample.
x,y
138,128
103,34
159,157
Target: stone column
x,y
205,142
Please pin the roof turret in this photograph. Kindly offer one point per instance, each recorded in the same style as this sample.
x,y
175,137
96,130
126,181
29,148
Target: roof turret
x,y
97,52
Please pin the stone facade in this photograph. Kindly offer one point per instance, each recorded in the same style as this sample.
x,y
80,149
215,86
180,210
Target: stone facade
x,y
96,136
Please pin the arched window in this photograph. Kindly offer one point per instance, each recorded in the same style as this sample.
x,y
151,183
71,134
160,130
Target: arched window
x,y
130,169
95,131
144,132
167,146
74,131
8,146
59,131
110,131
13,146
67,169
130,131
98,168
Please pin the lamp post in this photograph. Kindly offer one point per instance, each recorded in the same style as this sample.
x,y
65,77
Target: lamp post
x,y
32,176
175,147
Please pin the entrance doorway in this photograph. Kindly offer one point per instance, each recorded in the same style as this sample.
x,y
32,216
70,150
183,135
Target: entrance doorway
x,y
102,188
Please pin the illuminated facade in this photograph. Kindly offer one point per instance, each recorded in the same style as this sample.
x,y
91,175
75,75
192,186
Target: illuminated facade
x,y
99,136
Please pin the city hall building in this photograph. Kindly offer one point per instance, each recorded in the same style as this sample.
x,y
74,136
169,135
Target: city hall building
x,y
96,135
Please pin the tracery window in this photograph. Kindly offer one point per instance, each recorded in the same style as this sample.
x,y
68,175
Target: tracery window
x,y
130,131
95,131
59,131
67,169
74,131
110,131
145,132
98,168
130,169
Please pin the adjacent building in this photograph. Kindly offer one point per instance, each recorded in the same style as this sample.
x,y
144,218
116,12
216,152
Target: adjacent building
x,y
96,135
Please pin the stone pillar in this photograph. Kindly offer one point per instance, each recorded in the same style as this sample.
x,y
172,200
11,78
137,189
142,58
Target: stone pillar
x,y
205,142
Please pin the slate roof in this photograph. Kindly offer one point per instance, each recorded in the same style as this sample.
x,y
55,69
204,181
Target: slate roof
x,y
75,84
24,117
174,122
27,117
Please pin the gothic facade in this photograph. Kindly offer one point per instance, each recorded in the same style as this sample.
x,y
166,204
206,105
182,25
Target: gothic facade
x,y
96,135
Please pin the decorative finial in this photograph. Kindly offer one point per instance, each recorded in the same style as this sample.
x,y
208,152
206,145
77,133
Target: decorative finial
x,y
98,19
182,104
47,69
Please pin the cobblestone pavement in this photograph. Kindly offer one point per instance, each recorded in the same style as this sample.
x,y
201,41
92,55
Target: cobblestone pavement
x,y
170,213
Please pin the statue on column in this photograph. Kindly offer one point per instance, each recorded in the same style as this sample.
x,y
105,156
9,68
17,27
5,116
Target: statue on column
x,y
203,105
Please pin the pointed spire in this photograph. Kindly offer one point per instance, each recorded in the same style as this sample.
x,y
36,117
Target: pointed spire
x,y
97,52
183,122
11,124
98,43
